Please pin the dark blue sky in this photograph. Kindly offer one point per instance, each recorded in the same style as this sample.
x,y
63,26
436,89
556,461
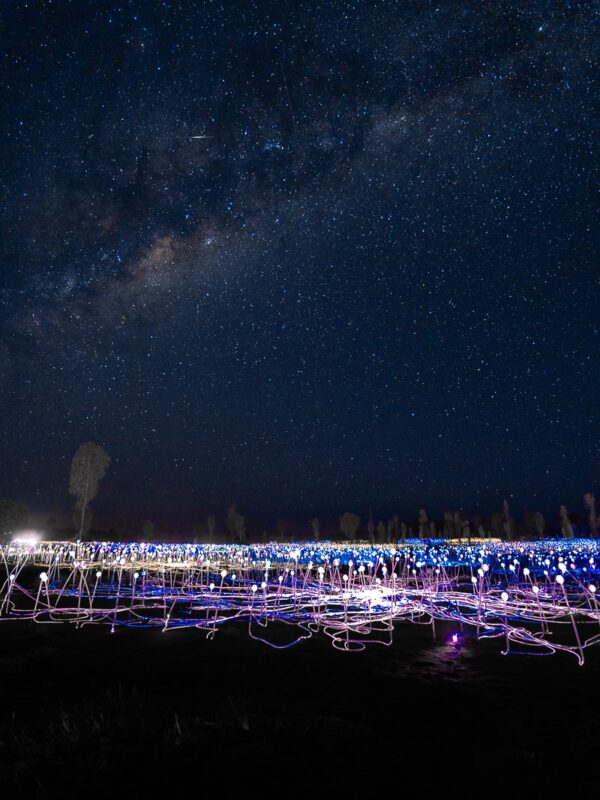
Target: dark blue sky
x,y
375,281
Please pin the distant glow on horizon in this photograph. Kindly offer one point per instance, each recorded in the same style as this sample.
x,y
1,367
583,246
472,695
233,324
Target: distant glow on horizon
x,y
30,538
536,596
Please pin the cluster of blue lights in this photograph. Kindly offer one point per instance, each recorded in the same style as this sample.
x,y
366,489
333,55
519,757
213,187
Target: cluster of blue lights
x,y
538,597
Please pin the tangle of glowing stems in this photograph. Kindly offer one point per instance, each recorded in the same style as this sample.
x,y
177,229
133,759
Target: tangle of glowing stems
x,y
537,597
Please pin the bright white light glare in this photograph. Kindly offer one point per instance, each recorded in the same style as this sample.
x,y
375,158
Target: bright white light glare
x,y
26,538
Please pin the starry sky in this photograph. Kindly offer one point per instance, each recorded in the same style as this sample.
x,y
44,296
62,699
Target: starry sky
x,y
373,279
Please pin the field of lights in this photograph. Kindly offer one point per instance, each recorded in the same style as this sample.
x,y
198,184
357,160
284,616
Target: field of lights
x,y
535,597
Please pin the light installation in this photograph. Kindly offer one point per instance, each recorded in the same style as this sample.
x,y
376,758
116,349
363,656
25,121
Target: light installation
x,y
536,597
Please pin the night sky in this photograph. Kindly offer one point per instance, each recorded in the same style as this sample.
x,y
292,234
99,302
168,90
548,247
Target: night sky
x,y
373,281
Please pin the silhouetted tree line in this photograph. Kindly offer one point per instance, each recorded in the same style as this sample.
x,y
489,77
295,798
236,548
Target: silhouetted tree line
x,y
91,461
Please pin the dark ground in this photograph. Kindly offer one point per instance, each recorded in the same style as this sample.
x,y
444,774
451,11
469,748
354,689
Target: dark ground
x,y
84,712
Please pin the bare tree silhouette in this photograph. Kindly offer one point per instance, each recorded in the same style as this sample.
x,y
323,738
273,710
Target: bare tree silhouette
x,y
371,526
88,467
448,524
565,523
508,522
83,521
315,528
589,501
211,525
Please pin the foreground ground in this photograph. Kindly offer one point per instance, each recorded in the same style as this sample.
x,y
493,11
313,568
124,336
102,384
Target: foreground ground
x,y
141,711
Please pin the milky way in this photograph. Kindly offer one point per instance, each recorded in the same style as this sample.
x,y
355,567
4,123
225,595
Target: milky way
x,y
373,282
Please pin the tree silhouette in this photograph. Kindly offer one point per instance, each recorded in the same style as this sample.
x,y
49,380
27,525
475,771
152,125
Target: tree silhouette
x,y
84,522
423,524
565,523
349,524
539,523
589,501
240,527
497,525
371,527
148,530
11,515
448,524
236,524
282,529
509,525
211,525
534,524
88,467
230,520
316,528
459,525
